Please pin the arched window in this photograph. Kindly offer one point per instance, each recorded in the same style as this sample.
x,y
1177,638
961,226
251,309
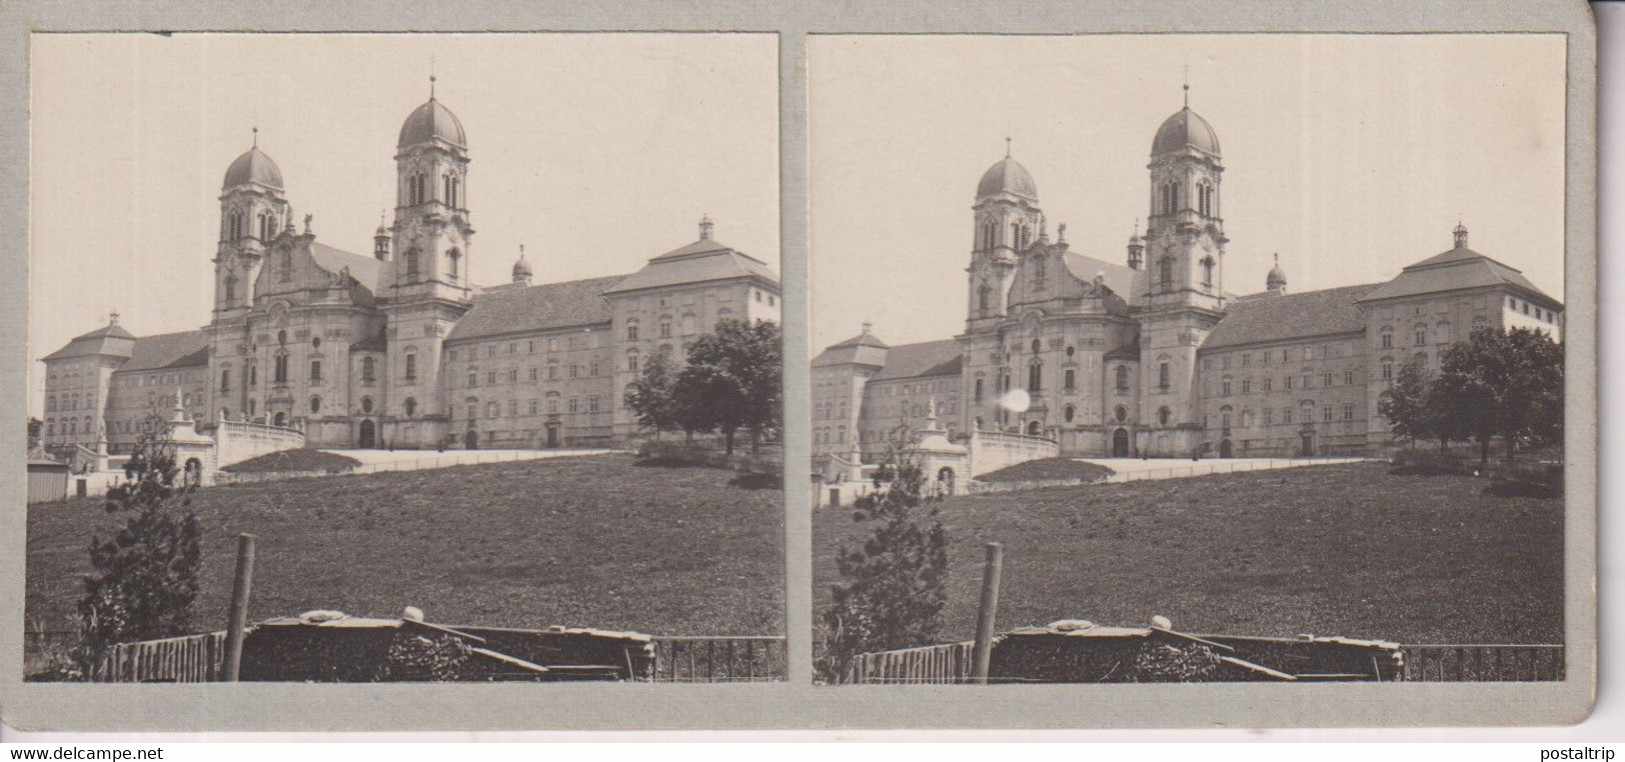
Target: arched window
x,y
279,372
411,264
1421,334
368,369
1165,271
1224,417
451,262
632,330
1068,413
983,297
449,193
1224,386
1122,378
235,228
1162,416
632,360
315,405
366,405
1387,337
1207,271
410,406
665,327
411,367
1121,413
1035,376
231,288
1162,375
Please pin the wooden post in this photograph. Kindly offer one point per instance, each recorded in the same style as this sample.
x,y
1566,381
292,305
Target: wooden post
x,y
984,616
239,606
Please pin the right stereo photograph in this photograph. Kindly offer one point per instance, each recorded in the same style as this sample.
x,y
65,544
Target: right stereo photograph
x,y
1187,358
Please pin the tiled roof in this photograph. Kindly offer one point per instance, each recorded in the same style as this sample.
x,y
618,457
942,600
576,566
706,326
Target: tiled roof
x,y
1290,316
1458,268
364,269
553,305
865,339
1121,279
929,358
169,350
701,261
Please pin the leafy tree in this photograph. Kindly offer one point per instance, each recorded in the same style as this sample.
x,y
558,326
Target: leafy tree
x,y
893,588
1506,383
146,575
733,380
653,395
1405,404
35,426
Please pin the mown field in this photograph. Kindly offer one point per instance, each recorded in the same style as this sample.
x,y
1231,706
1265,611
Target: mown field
x,y
1330,550
596,541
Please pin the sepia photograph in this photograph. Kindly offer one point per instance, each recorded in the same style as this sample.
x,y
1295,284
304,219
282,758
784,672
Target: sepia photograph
x,y
404,358
1188,358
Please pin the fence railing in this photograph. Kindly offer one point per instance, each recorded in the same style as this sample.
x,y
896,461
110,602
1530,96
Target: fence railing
x,y
679,659
938,664
1450,663
186,659
703,659
1484,663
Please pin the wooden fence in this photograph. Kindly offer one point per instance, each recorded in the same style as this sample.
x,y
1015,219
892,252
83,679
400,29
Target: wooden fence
x,y
186,659
201,659
939,664
1484,663
719,659
951,663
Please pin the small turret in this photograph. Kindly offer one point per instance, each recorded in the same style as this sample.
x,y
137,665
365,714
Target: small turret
x,y
1136,248
1461,235
705,227
1275,282
380,240
521,268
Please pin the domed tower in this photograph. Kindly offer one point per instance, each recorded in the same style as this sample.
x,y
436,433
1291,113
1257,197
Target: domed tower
x,y
429,288
521,268
1007,222
253,211
1184,259
380,240
1136,248
1275,282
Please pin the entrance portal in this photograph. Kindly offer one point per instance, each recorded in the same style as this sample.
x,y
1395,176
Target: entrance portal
x,y
280,419
471,440
552,435
1308,444
945,481
368,436
1120,443
1032,428
1226,450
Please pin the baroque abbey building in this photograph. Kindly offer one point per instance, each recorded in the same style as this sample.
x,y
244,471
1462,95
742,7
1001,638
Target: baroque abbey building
x,y
1152,355
397,347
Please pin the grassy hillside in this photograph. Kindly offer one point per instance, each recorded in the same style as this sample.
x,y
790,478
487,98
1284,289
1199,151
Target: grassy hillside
x,y
1330,550
597,541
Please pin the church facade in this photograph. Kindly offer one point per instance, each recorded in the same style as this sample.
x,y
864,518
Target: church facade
x,y
397,347
1151,355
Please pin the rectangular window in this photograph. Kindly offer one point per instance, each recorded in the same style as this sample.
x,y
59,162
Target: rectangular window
x,y
411,367
512,348
1387,370
1348,378
1072,379
1162,376
473,379
1246,359
1326,413
315,370
513,408
575,371
1224,388
533,407
1269,416
572,405
451,355
592,404
491,377
552,404
592,369
552,372
977,393
225,380
1306,383
1268,381
533,374
1286,415
1246,386
1387,341
1325,379
1348,411
513,376
1286,383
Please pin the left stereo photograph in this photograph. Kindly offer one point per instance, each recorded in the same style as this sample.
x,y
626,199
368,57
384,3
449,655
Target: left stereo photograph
x,y
404,358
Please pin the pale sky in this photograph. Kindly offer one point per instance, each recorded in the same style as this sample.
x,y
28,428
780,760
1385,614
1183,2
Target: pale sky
x,y
1350,155
595,151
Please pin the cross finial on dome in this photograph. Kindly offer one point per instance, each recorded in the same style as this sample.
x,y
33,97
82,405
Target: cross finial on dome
x,y
705,227
1187,85
1007,146
256,136
1460,234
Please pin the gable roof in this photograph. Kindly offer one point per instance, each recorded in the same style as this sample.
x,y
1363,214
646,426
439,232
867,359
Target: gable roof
x,y
183,349
364,269
1290,316
927,358
1121,279
536,308
1458,268
703,260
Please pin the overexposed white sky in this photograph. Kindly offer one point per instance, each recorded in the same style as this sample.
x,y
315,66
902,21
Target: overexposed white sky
x,y
595,151
1350,155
